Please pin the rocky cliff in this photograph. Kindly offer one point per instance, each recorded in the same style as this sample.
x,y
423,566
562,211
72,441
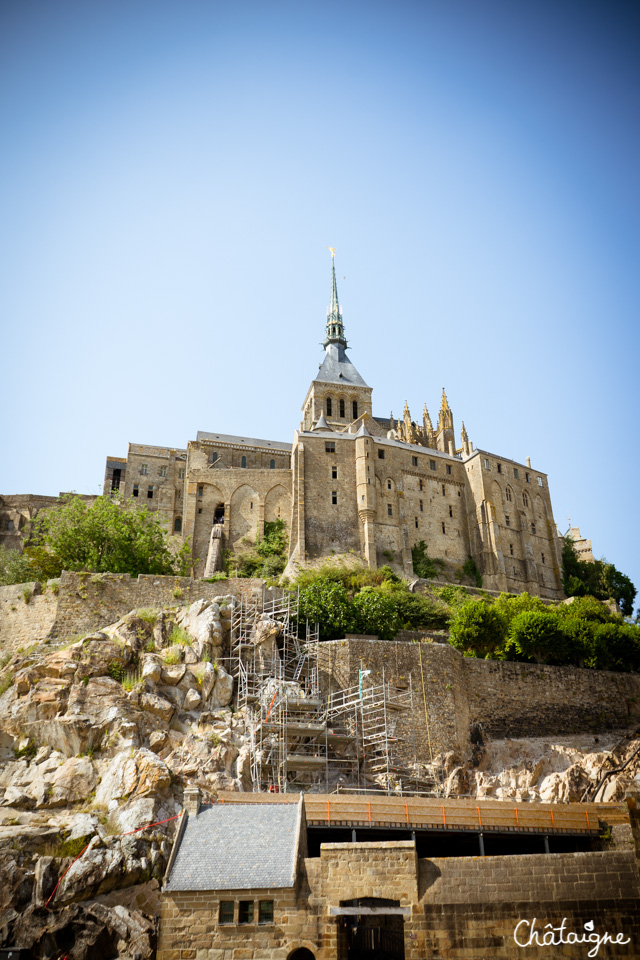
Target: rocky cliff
x,y
100,735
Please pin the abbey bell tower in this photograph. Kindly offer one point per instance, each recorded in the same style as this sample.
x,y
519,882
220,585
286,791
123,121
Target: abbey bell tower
x,y
338,395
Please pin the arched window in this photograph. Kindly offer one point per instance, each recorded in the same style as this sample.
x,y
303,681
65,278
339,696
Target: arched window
x,y
243,462
509,496
272,464
342,414
525,499
329,406
177,525
355,409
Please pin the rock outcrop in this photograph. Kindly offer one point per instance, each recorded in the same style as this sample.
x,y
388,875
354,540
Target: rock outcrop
x,y
98,738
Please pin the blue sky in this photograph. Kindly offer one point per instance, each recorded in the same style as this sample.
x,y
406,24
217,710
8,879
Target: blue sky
x,y
173,172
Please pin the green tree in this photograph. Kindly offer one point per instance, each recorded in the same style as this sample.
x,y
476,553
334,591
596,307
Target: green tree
x,y
109,536
478,629
326,603
538,635
375,612
597,579
15,567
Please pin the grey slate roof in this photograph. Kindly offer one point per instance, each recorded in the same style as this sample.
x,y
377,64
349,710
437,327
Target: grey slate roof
x,y
236,846
337,368
249,441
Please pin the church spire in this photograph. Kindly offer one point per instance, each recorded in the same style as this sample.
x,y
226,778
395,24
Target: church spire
x,y
335,329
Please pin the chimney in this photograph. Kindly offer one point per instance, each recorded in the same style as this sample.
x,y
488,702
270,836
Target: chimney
x,y
192,800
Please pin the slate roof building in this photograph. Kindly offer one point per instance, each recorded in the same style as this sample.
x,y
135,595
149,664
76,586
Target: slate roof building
x,y
326,877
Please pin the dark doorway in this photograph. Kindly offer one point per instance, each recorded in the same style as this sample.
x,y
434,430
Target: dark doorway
x,y
301,954
218,514
371,934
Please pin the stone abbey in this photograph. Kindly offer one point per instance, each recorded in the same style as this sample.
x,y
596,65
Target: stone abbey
x,y
354,483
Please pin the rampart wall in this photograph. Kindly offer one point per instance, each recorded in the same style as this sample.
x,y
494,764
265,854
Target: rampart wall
x,y
81,602
452,692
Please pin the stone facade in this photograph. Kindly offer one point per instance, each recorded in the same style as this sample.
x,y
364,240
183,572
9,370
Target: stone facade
x,y
17,513
352,483
412,907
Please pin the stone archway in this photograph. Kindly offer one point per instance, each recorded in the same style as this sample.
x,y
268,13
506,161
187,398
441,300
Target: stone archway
x,y
302,953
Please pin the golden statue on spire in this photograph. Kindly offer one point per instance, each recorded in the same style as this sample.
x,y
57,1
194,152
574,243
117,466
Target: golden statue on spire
x,y
333,251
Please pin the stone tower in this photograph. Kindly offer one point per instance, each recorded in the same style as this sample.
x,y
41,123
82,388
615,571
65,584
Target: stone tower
x,y
338,395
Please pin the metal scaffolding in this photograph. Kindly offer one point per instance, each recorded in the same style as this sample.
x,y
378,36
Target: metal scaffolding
x,y
301,740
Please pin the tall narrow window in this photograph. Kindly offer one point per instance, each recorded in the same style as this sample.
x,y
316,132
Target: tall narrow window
x,y
443,490
177,525
265,911
444,529
533,528
542,557
421,507
243,462
149,493
334,497
448,468
181,473
540,482
414,461
329,406
355,409
486,464
525,499
432,464
527,478
245,911
507,519
389,510
334,473
515,472
416,521
388,484
200,490
380,454
511,549
499,466
508,494
214,456
225,914
144,469
272,464
162,471
342,409
135,489
450,511
420,485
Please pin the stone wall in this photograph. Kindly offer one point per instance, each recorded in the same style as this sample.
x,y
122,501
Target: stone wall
x,y
451,692
26,614
87,601
460,908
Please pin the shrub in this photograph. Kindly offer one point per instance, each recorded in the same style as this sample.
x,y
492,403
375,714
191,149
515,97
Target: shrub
x,y
179,635
538,635
327,603
424,566
116,670
148,616
375,612
478,630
